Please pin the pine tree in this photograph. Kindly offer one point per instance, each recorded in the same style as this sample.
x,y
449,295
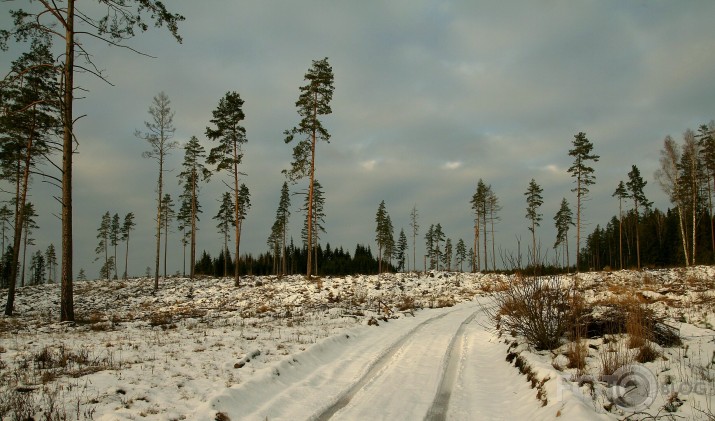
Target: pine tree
x,y
5,225
477,203
159,132
115,24
102,249
314,101
706,142
228,154
167,215
30,118
493,207
193,173
563,220
429,245
635,186
621,193
127,228
583,177
460,254
534,200
114,234
37,268
226,220
415,230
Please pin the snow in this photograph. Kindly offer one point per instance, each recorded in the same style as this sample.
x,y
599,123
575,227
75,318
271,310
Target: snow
x,y
287,349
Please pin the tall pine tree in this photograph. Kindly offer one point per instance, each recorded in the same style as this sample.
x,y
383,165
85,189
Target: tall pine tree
x,y
583,176
313,102
228,154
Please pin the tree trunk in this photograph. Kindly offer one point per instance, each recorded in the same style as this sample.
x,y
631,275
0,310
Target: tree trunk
x,y
166,236
310,189
236,276
158,222
683,236
126,258
192,268
67,295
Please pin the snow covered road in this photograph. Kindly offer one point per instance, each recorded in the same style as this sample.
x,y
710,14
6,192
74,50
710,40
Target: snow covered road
x,y
442,364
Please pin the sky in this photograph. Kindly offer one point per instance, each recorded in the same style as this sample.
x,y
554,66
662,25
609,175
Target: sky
x,y
430,96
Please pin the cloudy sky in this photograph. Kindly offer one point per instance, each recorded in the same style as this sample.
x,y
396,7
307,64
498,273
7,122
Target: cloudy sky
x,y
429,97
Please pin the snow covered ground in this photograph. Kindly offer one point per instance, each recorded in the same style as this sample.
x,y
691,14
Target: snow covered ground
x,y
397,346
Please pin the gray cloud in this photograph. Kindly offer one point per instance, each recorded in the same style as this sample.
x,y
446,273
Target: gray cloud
x,y
430,96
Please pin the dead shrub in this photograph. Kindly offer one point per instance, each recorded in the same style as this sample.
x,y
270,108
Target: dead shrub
x,y
160,318
539,309
615,356
577,352
444,302
647,353
406,303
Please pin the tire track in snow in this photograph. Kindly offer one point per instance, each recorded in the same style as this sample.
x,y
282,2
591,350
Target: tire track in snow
x,y
374,370
438,410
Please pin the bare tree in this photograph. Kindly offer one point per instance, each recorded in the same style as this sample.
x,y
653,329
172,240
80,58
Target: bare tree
x,y
158,134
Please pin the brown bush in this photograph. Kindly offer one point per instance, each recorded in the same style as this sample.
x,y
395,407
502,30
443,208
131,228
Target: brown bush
x,y
537,308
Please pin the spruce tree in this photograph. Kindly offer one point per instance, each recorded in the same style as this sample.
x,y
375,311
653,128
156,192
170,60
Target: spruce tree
x,y
584,177
244,204
51,262
447,256
226,220
280,226
534,200
563,220
228,154
401,249
167,215
318,220
460,254
415,230
29,226
381,232
438,237
192,174
183,218
635,186
313,102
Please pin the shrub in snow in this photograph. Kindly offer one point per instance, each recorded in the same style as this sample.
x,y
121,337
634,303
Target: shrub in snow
x,y
536,308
